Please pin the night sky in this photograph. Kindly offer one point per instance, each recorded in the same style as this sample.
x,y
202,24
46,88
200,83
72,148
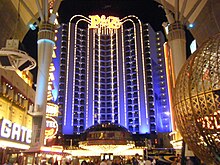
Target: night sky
x,y
148,11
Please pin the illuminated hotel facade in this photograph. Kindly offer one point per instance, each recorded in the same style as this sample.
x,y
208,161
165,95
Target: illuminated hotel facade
x,y
16,101
112,70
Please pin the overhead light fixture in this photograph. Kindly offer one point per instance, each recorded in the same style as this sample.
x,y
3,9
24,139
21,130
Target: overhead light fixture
x,y
191,25
11,58
32,26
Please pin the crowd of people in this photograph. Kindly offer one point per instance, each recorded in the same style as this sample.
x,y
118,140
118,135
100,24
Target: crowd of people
x,y
117,161
135,160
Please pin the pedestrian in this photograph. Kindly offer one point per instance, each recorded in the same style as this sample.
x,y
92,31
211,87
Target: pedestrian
x,y
15,163
6,162
147,162
134,161
84,163
154,162
56,162
109,162
103,162
128,162
189,161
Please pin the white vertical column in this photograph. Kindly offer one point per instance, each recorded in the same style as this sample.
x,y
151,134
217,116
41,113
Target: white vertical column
x,y
45,42
177,42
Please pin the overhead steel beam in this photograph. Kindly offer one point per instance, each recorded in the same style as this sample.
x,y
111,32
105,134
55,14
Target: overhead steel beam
x,y
169,14
176,10
46,10
29,11
40,10
182,11
192,10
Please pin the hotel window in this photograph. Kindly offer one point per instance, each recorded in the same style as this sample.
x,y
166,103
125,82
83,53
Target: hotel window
x,y
75,129
152,112
81,122
75,121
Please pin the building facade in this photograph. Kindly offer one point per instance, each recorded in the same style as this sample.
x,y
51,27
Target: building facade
x,y
112,70
16,102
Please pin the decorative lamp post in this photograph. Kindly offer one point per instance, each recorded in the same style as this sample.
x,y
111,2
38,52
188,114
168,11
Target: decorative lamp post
x,y
46,37
197,101
47,10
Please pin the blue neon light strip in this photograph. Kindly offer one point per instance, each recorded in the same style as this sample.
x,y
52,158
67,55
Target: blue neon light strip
x,y
45,40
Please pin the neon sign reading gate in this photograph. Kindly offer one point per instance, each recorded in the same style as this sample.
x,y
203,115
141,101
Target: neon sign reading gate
x,y
109,22
15,131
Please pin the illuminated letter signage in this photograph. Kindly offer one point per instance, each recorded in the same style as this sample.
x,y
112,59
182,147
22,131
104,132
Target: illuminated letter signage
x,y
109,22
15,131
51,127
52,109
211,122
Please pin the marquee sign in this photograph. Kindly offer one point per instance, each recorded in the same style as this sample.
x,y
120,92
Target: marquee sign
x,y
15,131
51,127
109,22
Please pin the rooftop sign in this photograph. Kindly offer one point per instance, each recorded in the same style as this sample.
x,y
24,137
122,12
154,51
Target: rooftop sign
x,y
109,22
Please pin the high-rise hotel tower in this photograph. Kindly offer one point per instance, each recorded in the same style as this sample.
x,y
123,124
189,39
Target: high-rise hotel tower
x,y
112,70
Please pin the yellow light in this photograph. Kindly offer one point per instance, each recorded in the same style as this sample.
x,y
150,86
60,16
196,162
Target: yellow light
x,y
51,127
169,73
106,148
109,22
211,121
51,149
95,20
4,144
82,152
52,109
52,67
51,75
54,53
49,88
